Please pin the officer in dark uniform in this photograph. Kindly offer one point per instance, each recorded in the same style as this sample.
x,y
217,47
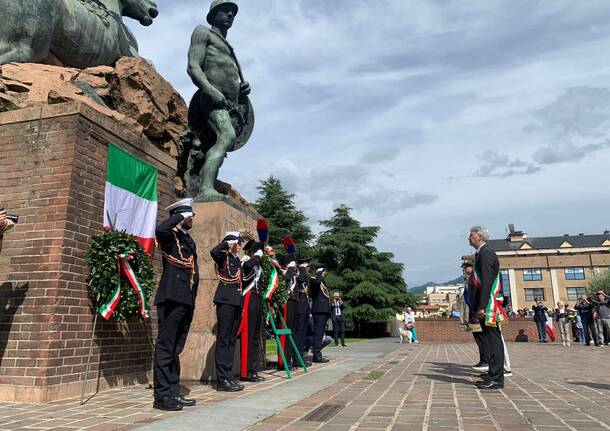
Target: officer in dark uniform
x,y
303,311
175,302
252,316
228,302
320,308
291,311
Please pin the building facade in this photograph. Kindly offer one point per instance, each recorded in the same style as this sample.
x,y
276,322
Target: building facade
x,y
440,297
555,268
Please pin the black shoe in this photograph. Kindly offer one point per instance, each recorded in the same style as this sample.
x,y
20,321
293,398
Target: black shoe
x,y
167,404
343,345
484,376
489,384
320,360
184,402
253,378
239,385
305,361
224,385
336,344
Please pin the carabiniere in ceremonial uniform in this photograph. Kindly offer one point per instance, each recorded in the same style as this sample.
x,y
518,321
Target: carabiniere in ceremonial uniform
x,y
320,309
228,301
252,316
175,302
303,311
291,313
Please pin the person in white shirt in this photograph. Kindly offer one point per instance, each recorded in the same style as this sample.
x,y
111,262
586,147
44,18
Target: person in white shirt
x,y
337,308
410,323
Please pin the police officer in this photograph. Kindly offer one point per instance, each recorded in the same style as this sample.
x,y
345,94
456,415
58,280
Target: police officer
x,y
252,316
303,311
175,302
228,301
320,308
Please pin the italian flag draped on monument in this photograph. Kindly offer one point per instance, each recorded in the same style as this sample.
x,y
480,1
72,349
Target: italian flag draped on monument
x,y
130,202
130,205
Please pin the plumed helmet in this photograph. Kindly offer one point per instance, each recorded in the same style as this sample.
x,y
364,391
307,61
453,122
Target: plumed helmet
x,y
215,5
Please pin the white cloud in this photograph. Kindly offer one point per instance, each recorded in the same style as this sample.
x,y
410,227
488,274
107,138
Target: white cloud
x,y
426,117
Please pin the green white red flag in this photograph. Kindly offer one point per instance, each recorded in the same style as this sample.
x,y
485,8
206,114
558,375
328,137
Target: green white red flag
x,y
130,201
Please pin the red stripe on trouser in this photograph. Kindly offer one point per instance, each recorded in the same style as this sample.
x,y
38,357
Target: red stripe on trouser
x,y
244,336
282,337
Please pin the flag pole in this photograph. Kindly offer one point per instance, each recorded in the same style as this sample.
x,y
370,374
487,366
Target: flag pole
x,y
86,379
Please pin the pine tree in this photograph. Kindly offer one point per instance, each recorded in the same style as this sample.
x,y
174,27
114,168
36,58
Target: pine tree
x,y
277,206
371,283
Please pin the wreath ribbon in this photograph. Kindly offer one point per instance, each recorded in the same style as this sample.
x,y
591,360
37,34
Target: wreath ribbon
x,y
123,266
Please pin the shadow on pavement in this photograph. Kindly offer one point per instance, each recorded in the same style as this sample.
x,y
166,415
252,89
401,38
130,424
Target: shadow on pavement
x,y
446,378
454,369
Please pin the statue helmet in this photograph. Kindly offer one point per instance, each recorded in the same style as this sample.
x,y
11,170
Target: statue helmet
x,y
215,5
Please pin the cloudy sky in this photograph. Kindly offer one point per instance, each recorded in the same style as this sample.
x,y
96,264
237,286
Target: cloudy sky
x,y
426,117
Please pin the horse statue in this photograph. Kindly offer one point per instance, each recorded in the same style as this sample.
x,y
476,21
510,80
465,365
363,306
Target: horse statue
x,y
72,33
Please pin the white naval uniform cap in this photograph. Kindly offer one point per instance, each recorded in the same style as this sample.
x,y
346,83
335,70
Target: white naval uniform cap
x,y
182,206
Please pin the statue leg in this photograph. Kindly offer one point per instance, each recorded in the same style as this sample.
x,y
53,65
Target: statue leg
x,y
27,30
22,53
220,122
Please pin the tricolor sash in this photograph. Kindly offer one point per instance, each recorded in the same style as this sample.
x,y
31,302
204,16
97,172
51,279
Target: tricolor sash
x,y
123,267
494,313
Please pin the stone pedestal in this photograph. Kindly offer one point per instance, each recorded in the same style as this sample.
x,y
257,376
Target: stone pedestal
x,y
52,174
212,220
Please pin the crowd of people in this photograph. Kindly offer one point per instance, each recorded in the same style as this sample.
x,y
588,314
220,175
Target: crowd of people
x,y
240,303
587,321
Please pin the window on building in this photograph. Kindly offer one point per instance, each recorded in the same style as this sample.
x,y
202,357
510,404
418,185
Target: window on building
x,y
505,282
576,292
575,273
532,274
532,294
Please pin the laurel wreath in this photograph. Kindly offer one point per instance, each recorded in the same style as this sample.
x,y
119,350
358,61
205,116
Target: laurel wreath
x,y
103,276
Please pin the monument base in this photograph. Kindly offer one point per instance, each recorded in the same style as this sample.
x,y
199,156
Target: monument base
x,y
53,170
212,220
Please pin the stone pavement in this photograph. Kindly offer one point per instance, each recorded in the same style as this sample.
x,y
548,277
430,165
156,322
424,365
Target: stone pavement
x,y
429,387
378,384
123,409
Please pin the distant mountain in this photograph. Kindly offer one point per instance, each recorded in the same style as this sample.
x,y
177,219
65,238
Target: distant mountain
x,y
418,290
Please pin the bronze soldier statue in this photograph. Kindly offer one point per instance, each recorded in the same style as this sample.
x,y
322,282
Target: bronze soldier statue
x,y
220,113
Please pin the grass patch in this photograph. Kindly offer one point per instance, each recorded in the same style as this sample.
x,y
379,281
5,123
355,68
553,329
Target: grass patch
x,y
373,375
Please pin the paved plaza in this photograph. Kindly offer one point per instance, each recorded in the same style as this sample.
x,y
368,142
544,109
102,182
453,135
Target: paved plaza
x,y
373,385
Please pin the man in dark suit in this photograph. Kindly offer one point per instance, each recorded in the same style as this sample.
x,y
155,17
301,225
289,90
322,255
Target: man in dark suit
x,y
175,301
487,268
337,308
303,310
472,298
320,309
228,302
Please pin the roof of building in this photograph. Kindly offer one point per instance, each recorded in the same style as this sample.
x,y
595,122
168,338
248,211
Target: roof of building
x,y
551,242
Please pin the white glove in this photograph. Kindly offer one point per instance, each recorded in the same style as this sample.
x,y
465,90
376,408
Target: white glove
x,y
186,215
232,242
245,259
259,253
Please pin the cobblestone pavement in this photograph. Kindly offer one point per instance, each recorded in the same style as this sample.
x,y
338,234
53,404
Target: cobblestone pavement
x,y
430,387
118,409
